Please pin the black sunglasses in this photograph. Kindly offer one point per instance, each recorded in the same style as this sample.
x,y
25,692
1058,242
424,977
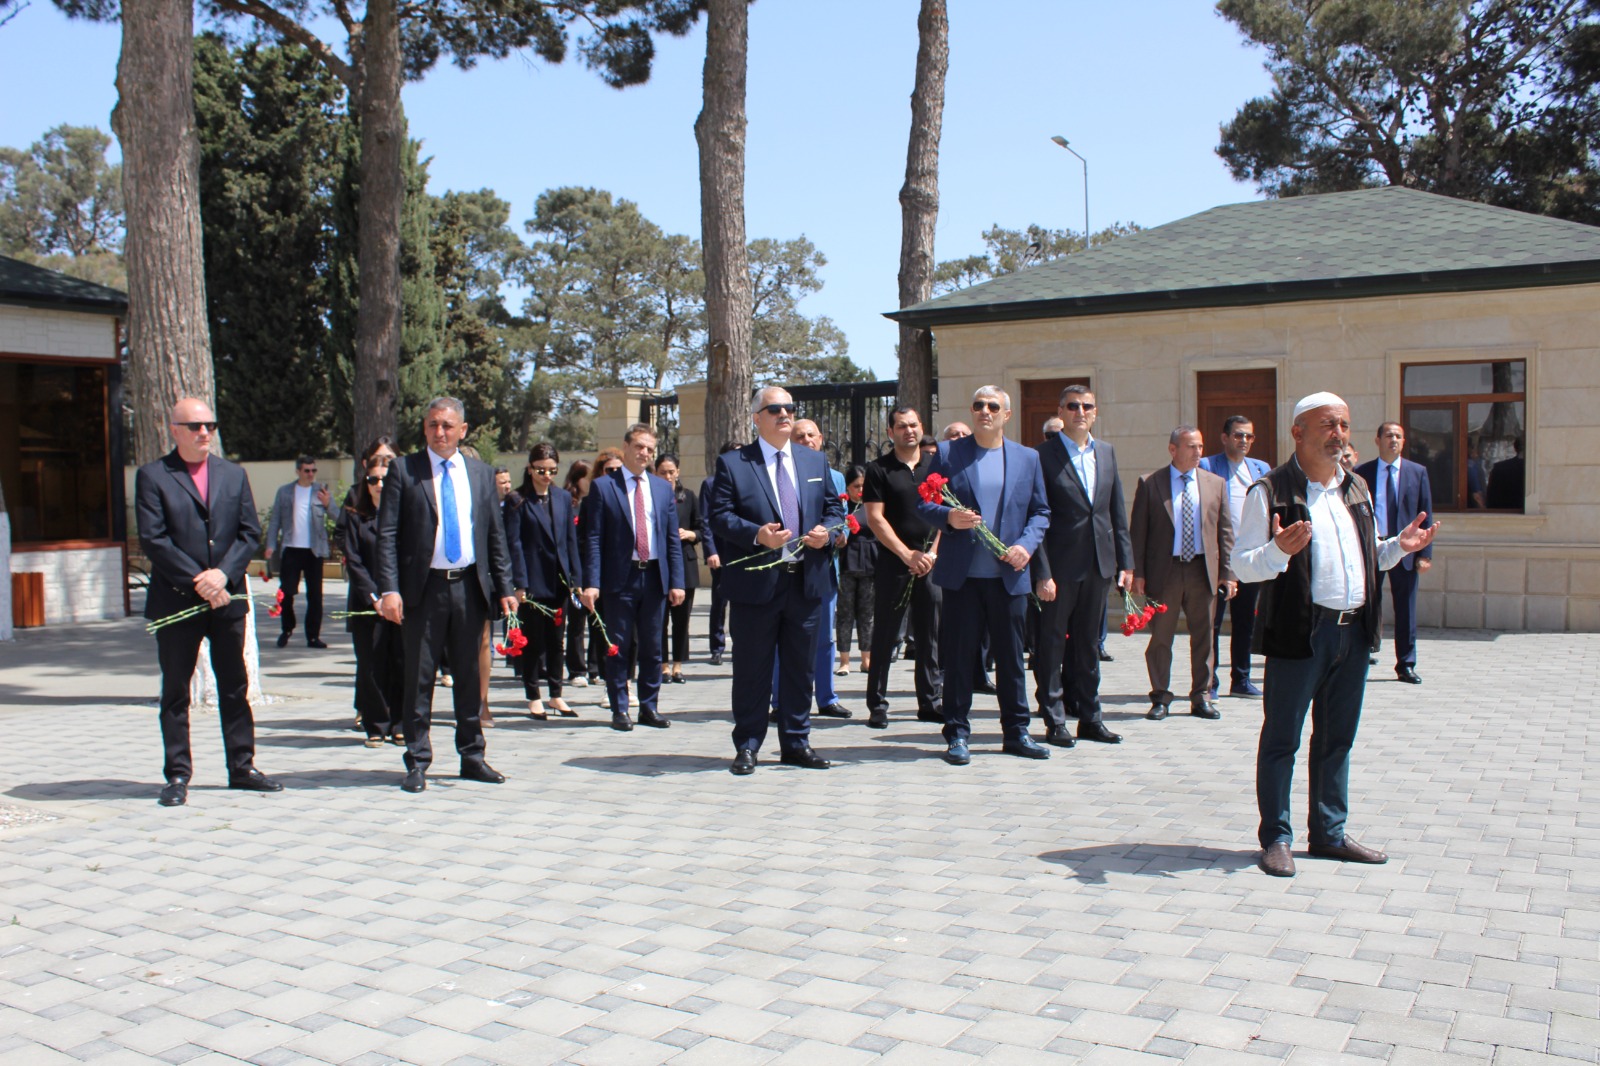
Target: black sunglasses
x,y
196,427
374,479
779,408
1074,405
986,405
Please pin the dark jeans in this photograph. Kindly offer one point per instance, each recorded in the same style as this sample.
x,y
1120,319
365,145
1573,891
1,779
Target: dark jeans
x,y
1331,684
543,655
634,615
449,615
1403,587
380,666
293,563
177,650
984,607
1242,611
782,630
1066,660
719,615
889,608
677,624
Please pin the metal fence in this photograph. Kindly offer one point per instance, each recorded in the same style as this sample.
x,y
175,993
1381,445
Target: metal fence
x,y
662,412
854,418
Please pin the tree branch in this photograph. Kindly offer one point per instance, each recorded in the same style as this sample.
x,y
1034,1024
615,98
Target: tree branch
x,y
291,30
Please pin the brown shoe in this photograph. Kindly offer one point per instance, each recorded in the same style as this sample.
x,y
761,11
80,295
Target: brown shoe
x,y
1349,850
1277,860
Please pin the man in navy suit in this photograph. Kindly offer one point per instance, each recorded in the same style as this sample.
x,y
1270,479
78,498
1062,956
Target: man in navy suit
x,y
631,550
1400,491
1000,485
1235,467
772,503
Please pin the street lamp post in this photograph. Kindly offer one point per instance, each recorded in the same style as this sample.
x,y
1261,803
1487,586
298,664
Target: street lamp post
x,y
1062,141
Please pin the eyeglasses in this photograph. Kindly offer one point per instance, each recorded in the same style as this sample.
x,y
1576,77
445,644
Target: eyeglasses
x,y
196,427
1244,436
986,405
374,479
539,471
779,408
308,470
1074,405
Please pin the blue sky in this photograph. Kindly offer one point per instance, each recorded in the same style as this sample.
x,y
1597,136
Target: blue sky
x,y
1138,87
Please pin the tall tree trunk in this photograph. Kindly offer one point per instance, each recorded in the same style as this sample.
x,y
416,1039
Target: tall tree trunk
x,y
719,131
169,341
919,202
382,200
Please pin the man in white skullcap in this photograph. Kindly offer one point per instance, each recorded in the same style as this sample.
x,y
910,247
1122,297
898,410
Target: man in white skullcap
x,y
1307,532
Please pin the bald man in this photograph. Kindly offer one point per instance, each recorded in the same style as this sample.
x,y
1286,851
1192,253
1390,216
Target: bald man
x,y
198,527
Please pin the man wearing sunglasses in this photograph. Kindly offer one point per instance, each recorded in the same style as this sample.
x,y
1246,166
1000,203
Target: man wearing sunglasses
x,y
198,527
1086,547
298,533
1234,466
773,512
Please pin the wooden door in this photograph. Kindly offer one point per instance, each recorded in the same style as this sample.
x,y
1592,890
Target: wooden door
x,y
1252,393
1039,400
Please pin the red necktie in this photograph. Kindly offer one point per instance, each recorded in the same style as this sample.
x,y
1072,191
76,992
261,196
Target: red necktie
x,y
641,528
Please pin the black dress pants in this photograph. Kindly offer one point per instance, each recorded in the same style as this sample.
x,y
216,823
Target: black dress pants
x,y
889,607
293,564
380,666
543,655
984,607
1066,657
449,616
178,650
783,629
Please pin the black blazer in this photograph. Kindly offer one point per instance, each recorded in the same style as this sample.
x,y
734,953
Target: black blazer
x,y
357,537
689,518
183,536
408,521
544,547
1084,538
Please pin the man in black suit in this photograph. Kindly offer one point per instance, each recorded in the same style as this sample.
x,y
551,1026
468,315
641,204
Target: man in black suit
x,y
772,503
1086,544
198,527
443,566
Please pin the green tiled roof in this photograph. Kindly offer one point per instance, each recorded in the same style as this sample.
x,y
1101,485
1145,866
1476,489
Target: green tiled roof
x,y
1332,246
32,286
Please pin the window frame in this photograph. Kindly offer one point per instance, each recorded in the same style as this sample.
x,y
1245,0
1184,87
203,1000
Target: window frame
x,y
108,390
1461,402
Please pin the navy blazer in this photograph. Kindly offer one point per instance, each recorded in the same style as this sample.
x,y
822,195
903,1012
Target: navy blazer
x,y
742,501
1024,512
183,536
1415,494
544,546
608,532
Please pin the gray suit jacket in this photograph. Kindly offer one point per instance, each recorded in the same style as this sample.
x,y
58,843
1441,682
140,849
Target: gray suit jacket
x,y
281,524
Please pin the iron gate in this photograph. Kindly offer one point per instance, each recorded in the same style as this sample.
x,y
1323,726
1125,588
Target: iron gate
x,y
853,417
662,412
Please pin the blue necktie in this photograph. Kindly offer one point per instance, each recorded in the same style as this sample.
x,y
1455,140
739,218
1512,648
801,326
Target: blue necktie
x,y
452,522
787,504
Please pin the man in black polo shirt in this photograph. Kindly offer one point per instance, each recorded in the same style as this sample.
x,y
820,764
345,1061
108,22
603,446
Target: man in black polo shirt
x,y
904,558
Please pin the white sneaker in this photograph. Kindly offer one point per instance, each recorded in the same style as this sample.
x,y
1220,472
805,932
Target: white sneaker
x,y
842,671
579,682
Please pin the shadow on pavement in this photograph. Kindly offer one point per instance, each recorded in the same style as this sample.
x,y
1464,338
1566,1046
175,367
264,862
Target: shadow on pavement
x,y
91,789
1091,864
650,765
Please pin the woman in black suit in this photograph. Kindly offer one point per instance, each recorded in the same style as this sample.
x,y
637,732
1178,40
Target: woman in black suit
x,y
676,621
544,564
379,653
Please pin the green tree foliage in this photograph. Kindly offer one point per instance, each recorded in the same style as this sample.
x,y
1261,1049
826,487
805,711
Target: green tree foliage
x,y
61,205
1008,250
1490,100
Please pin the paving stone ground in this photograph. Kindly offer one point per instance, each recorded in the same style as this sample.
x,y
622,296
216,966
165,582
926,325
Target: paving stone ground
x,y
623,899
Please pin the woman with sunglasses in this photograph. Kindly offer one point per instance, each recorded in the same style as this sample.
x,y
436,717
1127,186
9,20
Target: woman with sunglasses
x,y
543,542
379,654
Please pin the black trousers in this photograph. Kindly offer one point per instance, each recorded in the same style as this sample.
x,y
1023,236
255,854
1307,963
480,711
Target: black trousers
x,y
786,629
984,607
543,655
1066,658
577,639
889,608
294,563
449,616
380,669
719,615
677,625
1242,610
1403,587
178,650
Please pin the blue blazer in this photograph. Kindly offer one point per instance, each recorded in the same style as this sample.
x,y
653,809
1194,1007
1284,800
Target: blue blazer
x,y
608,532
1024,512
544,547
1218,465
1415,494
742,501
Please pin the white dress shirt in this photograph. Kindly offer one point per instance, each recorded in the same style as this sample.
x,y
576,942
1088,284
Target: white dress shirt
x,y
1083,461
1338,576
300,528
463,494
1239,481
628,482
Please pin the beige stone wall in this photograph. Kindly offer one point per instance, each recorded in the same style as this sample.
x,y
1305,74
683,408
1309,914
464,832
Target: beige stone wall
x,y
32,331
1540,570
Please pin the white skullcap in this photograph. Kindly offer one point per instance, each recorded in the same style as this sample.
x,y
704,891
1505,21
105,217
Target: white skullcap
x,y
1316,400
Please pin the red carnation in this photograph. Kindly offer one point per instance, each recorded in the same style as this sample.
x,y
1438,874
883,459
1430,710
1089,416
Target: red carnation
x,y
279,598
1161,608
932,488
844,495
612,649
556,618
855,526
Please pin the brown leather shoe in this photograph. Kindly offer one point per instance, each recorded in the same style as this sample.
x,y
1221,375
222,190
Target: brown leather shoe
x,y
1349,850
1277,860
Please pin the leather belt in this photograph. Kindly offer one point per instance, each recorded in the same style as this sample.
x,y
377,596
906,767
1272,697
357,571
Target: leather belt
x,y
453,575
790,568
643,564
1339,618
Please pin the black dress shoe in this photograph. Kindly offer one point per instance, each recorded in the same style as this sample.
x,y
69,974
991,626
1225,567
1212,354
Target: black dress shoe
x,y
1372,660
834,710
804,757
984,684
414,781
653,720
1408,675
1277,860
317,643
1097,731
283,640
678,679
1205,709
1060,736
743,763
930,716
621,723
176,794
716,658
481,771
254,781
1105,656
1026,747
1156,712
1349,850
878,720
